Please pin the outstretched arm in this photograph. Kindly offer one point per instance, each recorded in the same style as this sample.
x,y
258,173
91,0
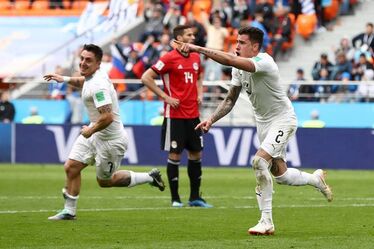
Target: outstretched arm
x,y
219,56
74,81
224,108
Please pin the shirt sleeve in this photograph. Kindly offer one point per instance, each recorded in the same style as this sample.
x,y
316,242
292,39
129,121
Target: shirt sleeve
x,y
101,97
235,79
262,64
161,66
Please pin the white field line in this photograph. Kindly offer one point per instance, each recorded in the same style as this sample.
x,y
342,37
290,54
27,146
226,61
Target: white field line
x,y
28,197
171,208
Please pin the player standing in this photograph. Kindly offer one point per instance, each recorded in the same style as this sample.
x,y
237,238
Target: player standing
x,y
182,94
104,141
276,121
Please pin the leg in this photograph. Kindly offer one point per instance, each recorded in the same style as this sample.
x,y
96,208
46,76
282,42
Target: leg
x,y
71,191
194,173
172,169
264,193
295,177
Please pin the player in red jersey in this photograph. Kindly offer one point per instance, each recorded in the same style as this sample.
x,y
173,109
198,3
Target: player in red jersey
x,y
182,95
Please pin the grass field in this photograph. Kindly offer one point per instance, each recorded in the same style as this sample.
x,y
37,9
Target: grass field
x,y
141,217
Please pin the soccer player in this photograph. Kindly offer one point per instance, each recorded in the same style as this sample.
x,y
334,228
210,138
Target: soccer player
x,y
276,121
104,141
182,95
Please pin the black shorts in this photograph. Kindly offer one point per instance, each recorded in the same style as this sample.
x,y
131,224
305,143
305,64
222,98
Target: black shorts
x,y
179,134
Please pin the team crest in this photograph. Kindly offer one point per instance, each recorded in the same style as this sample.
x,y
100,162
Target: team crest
x,y
195,66
174,144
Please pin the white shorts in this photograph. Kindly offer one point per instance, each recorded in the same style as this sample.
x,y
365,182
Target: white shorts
x,y
105,154
274,136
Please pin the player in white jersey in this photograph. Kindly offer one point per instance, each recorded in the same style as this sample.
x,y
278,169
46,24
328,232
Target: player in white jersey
x,y
258,75
104,141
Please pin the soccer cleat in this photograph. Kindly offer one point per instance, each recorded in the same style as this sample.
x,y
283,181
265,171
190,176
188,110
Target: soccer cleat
x,y
63,215
322,186
177,204
157,180
199,202
262,228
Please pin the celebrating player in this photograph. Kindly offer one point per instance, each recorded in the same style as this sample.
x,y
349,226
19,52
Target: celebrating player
x,y
276,121
104,141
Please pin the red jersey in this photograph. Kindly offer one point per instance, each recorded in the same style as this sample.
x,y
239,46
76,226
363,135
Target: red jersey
x,y
180,76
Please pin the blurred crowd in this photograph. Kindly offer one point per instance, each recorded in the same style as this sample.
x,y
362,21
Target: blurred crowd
x,y
353,60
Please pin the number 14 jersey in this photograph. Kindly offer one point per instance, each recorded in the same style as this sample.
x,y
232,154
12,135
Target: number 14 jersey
x,y
180,76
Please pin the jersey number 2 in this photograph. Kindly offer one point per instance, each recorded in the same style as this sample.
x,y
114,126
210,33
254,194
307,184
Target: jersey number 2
x,y
280,134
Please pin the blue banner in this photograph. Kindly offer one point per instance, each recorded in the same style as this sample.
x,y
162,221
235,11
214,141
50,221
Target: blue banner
x,y
333,148
5,142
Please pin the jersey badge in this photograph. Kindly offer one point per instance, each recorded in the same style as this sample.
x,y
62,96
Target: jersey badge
x,y
257,59
100,96
195,66
159,65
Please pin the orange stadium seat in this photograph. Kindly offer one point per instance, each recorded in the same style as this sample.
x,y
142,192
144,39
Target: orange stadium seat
x,y
197,7
40,4
330,12
306,24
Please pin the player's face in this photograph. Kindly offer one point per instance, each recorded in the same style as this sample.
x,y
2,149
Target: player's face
x,y
188,36
88,64
244,46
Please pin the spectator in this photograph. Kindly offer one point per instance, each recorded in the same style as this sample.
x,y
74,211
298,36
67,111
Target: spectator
x,y
314,121
216,35
34,117
164,43
240,12
7,110
342,65
281,30
258,23
173,17
57,91
366,91
125,46
323,63
359,68
343,92
346,48
365,38
293,90
267,9
153,15
197,28
106,63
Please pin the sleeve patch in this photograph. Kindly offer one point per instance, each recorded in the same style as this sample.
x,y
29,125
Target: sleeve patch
x,y
257,59
159,65
100,96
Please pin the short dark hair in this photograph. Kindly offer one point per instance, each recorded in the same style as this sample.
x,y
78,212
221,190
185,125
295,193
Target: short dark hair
x,y
370,24
255,35
179,30
96,50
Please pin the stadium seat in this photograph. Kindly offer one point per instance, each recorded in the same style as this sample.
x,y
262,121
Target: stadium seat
x,y
197,7
305,25
330,12
40,4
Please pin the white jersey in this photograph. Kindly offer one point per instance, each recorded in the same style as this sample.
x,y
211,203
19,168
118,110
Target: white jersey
x,y
98,91
264,90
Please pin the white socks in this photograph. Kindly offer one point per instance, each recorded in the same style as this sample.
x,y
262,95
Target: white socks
x,y
264,190
139,178
71,203
296,177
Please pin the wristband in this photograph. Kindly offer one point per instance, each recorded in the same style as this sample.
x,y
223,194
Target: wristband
x,y
66,79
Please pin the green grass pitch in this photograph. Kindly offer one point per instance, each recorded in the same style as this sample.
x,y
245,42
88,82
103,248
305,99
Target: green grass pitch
x,y
141,217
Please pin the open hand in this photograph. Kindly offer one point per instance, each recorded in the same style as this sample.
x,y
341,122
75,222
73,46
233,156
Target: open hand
x,y
53,76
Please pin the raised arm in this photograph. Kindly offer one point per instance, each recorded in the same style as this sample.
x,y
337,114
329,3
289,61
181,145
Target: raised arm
x,y
221,57
74,81
105,119
224,108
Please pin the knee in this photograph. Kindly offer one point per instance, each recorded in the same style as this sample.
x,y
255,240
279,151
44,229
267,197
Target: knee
x,y
70,170
104,183
258,163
